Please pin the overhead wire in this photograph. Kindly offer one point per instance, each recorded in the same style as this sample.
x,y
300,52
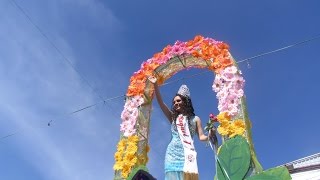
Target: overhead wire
x,y
84,79
116,97
188,77
281,49
253,57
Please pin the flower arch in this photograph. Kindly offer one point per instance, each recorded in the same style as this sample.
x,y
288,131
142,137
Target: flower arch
x,y
200,52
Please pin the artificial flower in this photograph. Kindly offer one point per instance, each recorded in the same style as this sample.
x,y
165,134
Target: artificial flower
x,y
223,128
228,85
223,116
126,156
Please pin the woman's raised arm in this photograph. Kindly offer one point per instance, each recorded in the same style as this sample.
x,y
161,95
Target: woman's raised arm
x,y
167,112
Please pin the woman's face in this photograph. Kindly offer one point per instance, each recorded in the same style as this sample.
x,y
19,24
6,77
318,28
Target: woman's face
x,y
177,104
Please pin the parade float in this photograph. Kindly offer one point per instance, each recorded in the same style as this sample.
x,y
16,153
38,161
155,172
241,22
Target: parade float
x,y
235,157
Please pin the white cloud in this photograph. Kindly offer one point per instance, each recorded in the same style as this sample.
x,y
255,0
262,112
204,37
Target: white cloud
x,y
38,86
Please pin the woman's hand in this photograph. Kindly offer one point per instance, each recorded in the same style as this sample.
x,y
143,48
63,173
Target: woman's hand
x,y
212,132
152,79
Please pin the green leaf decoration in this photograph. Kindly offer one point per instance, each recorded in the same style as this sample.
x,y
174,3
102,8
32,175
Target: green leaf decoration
x,y
135,170
233,159
279,173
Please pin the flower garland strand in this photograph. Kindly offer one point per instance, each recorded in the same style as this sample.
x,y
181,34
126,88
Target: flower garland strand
x,y
215,53
130,115
228,85
126,155
228,127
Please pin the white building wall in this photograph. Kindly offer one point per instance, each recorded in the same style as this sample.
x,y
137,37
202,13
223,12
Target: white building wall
x,y
308,175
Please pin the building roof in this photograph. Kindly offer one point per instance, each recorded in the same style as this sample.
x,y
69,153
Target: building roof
x,y
306,161
305,168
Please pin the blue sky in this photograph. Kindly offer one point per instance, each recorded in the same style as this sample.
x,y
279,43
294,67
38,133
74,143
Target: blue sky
x,y
106,41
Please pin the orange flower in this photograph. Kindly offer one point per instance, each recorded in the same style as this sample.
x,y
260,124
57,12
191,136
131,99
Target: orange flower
x,y
216,52
202,48
226,62
196,54
198,39
136,89
157,55
166,50
223,46
190,44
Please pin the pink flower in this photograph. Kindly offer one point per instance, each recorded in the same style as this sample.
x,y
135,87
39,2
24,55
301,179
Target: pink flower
x,y
130,115
239,82
176,50
231,69
213,118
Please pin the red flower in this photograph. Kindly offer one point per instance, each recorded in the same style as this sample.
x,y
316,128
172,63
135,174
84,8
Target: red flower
x,y
213,118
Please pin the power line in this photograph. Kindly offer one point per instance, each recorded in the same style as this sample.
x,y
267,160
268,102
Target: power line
x,y
68,114
9,135
253,57
186,77
116,97
89,106
197,74
64,58
281,49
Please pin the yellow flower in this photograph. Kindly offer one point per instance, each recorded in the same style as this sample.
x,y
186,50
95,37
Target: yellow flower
x,y
223,116
118,156
223,129
124,173
134,138
126,155
232,130
239,127
132,149
121,147
133,161
239,123
117,166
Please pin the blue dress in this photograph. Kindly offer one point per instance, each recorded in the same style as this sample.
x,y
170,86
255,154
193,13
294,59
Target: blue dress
x,y
174,159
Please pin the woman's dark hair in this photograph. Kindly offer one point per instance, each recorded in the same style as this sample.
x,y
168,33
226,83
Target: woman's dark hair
x,y
186,105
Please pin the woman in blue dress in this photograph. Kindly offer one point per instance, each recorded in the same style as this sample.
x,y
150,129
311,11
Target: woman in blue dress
x,y
181,156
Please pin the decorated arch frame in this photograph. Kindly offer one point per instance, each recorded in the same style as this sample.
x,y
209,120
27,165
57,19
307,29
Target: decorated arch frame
x,y
234,124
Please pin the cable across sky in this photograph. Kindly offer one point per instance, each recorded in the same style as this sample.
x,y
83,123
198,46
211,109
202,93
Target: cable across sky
x,y
186,77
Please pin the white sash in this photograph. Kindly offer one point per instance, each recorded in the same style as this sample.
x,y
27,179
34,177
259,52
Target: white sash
x,y
190,155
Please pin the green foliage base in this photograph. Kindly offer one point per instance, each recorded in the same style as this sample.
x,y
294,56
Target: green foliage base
x,y
278,173
234,159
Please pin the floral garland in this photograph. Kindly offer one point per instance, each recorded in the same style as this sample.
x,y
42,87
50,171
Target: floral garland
x,y
215,53
228,85
130,115
228,127
126,155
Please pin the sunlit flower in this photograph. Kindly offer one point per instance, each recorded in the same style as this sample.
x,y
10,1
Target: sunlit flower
x,y
223,116
228,85
133,139
239,126
223,128
117,166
